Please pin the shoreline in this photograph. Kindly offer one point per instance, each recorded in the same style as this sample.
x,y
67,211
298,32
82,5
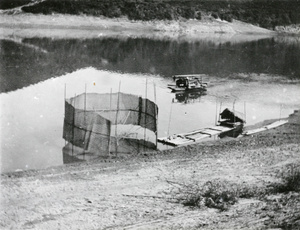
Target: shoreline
x,y
293,119
133,193
12,25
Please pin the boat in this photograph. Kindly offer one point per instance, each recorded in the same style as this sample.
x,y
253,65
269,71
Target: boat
x,y
187,83
231,123
194,136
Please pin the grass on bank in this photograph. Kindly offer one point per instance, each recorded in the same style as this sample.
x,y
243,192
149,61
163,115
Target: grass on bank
x,y
267,14
290,178
222,194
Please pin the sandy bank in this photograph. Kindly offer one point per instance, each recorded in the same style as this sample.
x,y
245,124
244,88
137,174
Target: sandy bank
x,y
131,194
29,25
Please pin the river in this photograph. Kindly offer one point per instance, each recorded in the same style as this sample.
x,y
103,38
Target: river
x,y
258,76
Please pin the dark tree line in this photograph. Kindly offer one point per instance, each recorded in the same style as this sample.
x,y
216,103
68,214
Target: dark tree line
x,y
265,13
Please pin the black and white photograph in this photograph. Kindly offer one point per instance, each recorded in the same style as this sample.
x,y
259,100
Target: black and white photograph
x,y
149,114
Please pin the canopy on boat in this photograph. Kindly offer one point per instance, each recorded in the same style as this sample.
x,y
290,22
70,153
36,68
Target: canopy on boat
x,y
233,116
188,77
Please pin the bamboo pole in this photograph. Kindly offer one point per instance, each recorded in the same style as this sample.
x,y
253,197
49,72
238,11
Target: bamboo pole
x,y
109,137
85,104
65,97
116,121
73,126
233,109
219,114
245,110
156,115
85,124
110,95
216,116
145,120
170,120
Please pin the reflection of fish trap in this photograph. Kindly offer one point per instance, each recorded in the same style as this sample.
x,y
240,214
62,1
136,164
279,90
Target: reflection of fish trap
x,y
104,124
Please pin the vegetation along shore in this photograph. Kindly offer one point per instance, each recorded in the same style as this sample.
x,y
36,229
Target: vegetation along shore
x,y
281,15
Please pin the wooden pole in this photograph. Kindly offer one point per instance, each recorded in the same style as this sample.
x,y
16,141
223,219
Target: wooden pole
x,y
154,91
65,95
216,116
110,95
73,125
85,123
145,120
219,114
233,112
156,115
245,111
109,137
116,121
234,118
84,104
169,120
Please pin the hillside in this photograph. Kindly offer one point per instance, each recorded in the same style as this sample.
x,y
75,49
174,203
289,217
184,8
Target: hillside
x,y
264,13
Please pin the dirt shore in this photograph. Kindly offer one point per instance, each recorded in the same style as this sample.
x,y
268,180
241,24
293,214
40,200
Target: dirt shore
x,y
134,192
65,26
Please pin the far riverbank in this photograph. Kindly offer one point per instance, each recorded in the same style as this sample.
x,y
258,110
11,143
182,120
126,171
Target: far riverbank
x,y
100,26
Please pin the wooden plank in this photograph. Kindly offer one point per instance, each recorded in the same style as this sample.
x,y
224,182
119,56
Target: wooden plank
x,y
198,136
179,141
174,141
191,133
201,137
221,128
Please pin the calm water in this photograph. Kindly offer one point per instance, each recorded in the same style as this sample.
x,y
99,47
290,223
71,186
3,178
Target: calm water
x,y
260,77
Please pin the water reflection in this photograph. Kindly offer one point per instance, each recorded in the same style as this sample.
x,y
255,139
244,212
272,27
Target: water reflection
x,y
189,97
257,72
33,117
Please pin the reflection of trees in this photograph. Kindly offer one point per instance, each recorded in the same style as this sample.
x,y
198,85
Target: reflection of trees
x,y
22,65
